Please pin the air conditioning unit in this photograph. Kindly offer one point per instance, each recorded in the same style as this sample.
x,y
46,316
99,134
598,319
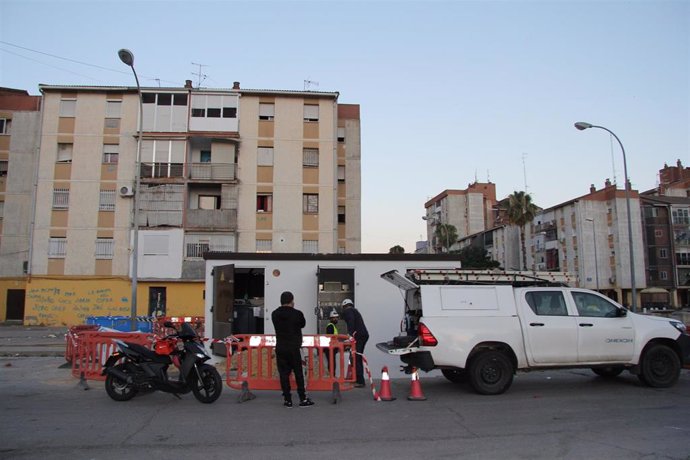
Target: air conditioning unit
x,y
126,191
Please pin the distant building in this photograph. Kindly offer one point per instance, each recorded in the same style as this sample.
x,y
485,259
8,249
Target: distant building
x,y
470,211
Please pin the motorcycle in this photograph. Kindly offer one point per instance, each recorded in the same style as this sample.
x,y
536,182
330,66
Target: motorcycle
x,y
134,368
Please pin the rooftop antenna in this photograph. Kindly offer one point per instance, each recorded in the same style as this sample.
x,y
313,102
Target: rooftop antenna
x,y
475,176
613,163
488,177
309,83
200,76
524,170
159,81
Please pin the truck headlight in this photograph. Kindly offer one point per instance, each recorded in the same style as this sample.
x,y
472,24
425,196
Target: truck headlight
x,y
680,326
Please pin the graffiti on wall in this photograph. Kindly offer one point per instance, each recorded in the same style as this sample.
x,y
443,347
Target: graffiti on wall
x,y
54,305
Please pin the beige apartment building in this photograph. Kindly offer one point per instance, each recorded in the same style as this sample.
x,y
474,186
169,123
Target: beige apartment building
x,y
237,170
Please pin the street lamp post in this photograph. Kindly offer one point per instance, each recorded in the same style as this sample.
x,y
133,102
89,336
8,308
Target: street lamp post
x,y
581,125
596,265
127,57
436,221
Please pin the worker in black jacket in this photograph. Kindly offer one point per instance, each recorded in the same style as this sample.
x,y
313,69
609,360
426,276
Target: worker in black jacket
x,y
357,329
288,323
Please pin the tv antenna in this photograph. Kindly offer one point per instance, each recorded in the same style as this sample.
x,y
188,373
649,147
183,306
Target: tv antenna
x,y
524,169
613,163
200,76
309,83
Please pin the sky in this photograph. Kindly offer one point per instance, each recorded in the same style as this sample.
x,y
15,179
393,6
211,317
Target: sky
x,y
450,91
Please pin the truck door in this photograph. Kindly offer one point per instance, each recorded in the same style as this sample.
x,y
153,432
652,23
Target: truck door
x,y
550,333
605,332
223,303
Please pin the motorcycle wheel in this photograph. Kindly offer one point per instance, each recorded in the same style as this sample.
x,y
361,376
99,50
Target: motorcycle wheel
x,y
118,389
207,388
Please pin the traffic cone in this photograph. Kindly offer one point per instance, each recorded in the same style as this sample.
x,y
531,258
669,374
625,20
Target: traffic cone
x,y
415,388
385,393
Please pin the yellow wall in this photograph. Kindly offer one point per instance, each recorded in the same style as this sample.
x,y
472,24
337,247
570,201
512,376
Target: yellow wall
x,y
66,302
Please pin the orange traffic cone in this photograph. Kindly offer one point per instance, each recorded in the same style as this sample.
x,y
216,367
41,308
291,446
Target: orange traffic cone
x,y
385,393
415,388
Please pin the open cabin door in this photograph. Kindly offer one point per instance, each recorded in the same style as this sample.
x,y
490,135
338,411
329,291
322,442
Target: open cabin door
x,y
334,286
223,304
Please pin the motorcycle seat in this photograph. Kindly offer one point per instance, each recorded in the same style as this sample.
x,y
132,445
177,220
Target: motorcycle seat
x,y
149,354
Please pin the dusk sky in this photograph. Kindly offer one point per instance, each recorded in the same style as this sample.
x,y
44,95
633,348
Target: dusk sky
x,y
450,91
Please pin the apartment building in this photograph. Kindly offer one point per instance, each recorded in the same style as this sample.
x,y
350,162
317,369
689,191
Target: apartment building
x,y
666,214
470,211
19,136
238,170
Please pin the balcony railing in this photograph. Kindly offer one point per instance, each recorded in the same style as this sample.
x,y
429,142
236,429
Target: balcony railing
x,y
212,171
212,219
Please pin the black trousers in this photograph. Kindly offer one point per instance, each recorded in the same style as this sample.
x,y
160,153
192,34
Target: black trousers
x,y
290,361
359,368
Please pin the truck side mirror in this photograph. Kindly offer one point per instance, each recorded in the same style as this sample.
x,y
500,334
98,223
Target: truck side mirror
x,y
622,312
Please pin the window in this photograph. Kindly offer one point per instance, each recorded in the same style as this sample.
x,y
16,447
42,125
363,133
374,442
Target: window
x,y
264,245
179,99
663,275
212,113
4,166
663,253
197,250
683,258
164,99
594,306
341,134
64,153
209,202
341,173
310,203
681,216
57,248
106,200
310,246
266,111
341,214
310,157
112,123
104,248
2,209
68,107
205,156
229,112
60,198
148,98
311,112
111,153
264,202
113,109
214,106
155,245
198,113
658,233
264,156
547,303
5,125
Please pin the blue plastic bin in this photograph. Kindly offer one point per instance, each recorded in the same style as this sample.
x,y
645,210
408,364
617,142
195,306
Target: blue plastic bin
x,y
122,323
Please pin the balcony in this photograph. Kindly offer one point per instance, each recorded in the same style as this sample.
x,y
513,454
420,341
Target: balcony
x,y
212,171
211,219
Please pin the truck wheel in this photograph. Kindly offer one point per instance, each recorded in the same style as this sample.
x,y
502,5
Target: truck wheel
x,y
491,372
660,367
455,375
608,372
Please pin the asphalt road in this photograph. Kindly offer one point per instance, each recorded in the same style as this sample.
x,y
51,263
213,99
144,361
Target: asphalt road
x,y
45,413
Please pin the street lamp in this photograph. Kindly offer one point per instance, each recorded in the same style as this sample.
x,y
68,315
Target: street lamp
x,y
596,265
127,57
581,125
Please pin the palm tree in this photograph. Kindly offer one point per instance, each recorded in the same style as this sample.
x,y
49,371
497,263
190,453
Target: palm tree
x,y
521,211
446,236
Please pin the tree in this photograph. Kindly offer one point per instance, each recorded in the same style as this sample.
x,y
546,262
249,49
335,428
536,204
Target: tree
x,y
397,249
521,211
446,236
476,257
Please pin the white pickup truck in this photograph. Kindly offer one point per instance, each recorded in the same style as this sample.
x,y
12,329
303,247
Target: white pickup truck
x,y
484,331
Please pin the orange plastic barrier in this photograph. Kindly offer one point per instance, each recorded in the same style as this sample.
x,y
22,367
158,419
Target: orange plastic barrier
x,y
93,348
251,362
72,338
197,323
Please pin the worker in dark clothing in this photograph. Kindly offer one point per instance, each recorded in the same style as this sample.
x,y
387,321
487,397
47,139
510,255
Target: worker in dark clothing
x,y
288,323
357,329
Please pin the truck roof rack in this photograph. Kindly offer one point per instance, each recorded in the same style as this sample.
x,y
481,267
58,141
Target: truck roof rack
x,y
515,278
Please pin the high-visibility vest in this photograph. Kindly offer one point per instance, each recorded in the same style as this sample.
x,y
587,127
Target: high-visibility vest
x,y
335,329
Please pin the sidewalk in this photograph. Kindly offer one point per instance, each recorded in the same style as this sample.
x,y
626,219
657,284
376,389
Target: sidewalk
x,y
24,341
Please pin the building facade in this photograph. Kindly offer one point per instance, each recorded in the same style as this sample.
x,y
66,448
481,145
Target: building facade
x,y
19,140
232,170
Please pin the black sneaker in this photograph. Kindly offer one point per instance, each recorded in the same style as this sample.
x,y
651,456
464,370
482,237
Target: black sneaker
x,y
287,403
306,402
